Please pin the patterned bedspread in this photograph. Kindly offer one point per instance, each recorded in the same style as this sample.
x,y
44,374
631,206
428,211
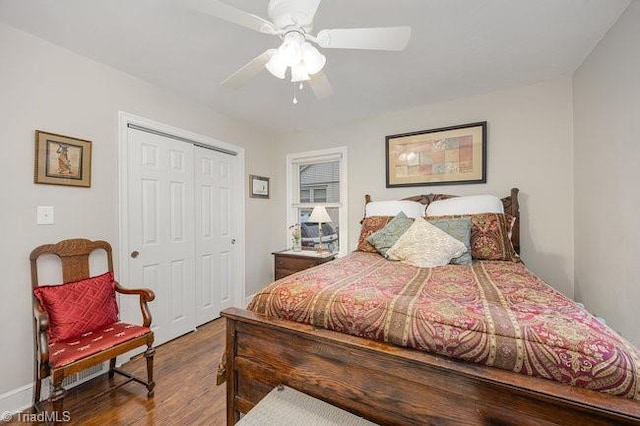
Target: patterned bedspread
x,y
493,313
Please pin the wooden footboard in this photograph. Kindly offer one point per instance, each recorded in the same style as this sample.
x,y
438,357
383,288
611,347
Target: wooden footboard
x,y
396,386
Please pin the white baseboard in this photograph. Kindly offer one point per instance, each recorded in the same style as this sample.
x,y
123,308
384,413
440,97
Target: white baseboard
x,y
16,400
21,399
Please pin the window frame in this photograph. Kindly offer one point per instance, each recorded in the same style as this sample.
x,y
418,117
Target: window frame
x,y
293,189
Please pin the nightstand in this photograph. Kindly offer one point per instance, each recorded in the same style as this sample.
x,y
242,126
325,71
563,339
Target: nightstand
x,y
288,262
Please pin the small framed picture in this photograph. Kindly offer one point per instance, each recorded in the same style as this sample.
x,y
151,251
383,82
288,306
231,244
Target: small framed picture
x,y
258,186
62,160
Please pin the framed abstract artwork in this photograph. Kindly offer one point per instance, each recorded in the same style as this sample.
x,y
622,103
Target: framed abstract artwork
x,y
445,156
62,160
258,186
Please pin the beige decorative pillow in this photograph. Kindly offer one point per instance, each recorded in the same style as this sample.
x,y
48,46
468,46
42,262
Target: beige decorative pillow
x,y
426,246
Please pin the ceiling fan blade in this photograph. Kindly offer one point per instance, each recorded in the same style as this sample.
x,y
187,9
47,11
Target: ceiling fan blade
x,y
383,38
229,13
320,85
311,7
247,72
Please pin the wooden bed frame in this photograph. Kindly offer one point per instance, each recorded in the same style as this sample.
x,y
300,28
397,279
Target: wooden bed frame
x,y
391,385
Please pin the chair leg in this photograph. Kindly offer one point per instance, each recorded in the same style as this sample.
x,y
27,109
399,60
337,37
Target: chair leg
x,y
36,394
148,354
37,379
57,399
112,366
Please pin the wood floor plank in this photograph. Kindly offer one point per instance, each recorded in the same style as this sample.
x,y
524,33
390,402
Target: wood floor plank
x,y
185,393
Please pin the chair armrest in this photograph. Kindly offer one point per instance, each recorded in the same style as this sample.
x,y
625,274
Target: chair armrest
x,y
41,319
146,295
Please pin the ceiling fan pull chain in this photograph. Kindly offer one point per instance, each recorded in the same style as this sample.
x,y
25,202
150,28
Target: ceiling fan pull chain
x,y
295,99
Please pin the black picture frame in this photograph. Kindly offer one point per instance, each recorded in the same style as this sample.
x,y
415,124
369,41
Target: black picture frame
x,y
453,155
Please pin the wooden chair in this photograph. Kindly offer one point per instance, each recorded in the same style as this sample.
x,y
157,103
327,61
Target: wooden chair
x,y
68,356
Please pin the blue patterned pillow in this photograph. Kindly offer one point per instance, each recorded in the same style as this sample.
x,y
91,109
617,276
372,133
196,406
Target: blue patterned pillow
x,y
385,238
460,229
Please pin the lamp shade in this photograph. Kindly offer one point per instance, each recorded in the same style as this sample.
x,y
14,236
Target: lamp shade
x,y
313,60
291,48
277,65
319,215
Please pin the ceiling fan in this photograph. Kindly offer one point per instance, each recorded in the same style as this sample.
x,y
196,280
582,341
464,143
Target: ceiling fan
x,y
292,21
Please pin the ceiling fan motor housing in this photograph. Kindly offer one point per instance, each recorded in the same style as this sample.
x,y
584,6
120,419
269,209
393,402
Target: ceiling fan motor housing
x,y
286,14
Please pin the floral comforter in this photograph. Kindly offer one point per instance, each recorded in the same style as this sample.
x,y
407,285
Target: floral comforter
x,y
494,313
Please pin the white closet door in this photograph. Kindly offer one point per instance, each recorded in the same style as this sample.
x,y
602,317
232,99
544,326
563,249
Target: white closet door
x,y
161,229
215,225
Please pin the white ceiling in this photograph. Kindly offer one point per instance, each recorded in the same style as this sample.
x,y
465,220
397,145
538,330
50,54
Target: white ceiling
x,y
457,48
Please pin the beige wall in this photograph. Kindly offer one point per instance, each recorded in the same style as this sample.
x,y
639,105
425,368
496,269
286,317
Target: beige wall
x,y
607,174
529,146
45,87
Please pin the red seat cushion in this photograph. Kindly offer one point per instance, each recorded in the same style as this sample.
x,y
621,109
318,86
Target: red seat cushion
x,y
65,352
78,307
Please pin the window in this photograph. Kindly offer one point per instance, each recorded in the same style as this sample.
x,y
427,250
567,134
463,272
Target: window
x,y
319,178
320,195
309,194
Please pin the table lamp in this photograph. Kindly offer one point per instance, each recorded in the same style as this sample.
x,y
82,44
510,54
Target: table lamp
x,y
319,215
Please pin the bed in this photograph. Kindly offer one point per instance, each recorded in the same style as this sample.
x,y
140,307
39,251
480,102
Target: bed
x,y
390,384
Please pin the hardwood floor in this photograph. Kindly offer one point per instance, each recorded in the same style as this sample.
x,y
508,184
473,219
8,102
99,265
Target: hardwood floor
x,y
185,393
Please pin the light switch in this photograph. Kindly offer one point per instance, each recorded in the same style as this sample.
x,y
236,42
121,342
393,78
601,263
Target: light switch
x,y
45,215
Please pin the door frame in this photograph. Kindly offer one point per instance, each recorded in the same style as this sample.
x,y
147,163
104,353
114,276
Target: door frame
x,y
124,119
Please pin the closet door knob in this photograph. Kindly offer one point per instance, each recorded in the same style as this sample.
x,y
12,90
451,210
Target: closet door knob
x,y
134,254
233,241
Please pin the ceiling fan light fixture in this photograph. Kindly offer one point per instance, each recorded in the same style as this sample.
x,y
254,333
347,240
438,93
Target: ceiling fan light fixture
x,y
314,60
292,22
277,65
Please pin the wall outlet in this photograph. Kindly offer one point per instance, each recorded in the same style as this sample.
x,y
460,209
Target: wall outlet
x,y
45,215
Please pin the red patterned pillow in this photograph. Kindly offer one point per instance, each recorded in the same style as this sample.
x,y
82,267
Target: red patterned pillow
x,y
369,226
79,307
489,237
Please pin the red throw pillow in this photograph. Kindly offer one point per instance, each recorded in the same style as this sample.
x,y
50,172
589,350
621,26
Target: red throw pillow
x,y
79,307
369,226
489,236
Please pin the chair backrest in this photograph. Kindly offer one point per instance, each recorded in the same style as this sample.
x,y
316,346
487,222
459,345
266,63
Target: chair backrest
x,y
74,255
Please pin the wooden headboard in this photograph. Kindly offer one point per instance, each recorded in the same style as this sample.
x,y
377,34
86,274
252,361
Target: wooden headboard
x,y
510,203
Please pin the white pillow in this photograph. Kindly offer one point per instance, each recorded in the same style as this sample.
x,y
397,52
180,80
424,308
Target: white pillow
x,y
472,204
426,246
412,209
